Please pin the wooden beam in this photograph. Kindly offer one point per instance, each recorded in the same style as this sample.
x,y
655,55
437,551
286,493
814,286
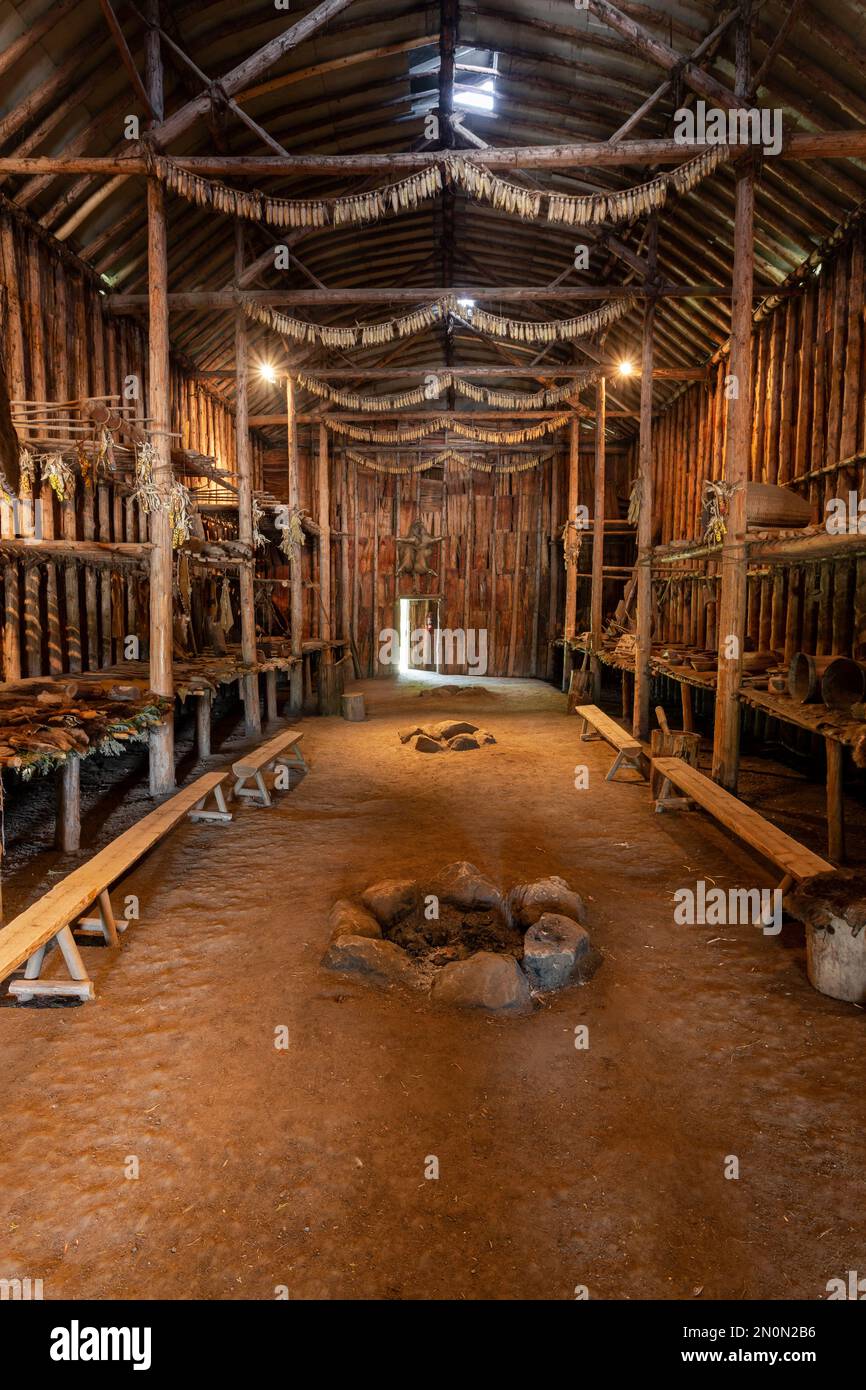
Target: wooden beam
x,y
226,301
296,676
162,779
249,70
570,625
126,57
734,569
661,53
360,372
643,633
252,708
596,614
601,154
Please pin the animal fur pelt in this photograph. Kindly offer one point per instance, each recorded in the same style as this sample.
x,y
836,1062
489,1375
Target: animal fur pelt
x,y
820,901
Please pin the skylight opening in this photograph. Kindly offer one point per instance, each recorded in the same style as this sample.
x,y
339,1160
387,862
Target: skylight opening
x,y
479,98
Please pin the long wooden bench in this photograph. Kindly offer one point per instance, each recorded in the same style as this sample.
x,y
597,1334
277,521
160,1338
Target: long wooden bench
x,y
628,749
50,922
794,859
282,750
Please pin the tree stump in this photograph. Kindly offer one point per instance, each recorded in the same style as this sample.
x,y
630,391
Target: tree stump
x,y
353,708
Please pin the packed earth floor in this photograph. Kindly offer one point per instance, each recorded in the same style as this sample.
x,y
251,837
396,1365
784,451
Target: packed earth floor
x,y
303,1168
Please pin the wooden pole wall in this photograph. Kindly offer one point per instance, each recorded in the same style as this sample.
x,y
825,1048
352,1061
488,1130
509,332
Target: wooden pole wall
x,y
643,634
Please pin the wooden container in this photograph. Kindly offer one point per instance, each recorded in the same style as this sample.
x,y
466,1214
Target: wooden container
x,y
836,960
843,684
804,677
353,708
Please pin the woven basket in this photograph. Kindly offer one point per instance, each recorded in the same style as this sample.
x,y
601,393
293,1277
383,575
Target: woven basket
x,y
769,505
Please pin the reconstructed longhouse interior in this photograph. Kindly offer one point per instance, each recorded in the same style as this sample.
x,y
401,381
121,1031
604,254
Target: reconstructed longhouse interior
x,y
433,701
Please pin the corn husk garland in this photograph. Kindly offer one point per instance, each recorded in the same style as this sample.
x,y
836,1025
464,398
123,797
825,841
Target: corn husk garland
x,y
478,462
472,178
412,434
550,330
521,435
436,384
362,335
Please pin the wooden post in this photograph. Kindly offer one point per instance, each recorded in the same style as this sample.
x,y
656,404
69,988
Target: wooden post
x,y
329,698
159,409
835,802
68,829
553,567
643,643
296,678
271,695
250,685
570,626
732,601
598,536
203,721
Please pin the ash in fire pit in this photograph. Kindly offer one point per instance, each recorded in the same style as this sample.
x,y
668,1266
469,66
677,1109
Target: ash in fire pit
x,y
449,735
463,941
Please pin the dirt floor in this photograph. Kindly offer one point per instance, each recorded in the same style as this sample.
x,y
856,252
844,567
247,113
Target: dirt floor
x,y
305,1167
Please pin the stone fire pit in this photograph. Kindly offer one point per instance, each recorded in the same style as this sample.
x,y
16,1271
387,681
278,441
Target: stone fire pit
x,y
449,735
462,941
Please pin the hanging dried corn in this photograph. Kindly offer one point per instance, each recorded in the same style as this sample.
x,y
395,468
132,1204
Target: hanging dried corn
x,y
59,476
145,490
179,514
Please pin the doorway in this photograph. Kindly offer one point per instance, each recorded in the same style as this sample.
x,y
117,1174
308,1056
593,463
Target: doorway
x,y
419,629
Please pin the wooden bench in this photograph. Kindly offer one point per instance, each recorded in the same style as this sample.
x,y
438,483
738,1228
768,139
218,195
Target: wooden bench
x,y
629,750
281,750
792,857
50,921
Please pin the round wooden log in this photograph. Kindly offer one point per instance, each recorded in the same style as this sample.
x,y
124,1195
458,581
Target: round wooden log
x,y
353,708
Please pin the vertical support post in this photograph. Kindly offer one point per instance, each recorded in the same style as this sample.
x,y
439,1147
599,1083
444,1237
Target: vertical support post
x,y
835,800
250,685
68,828
570,628
598,536
271,695
732,599
328,697
203,719
296,678
159,409
643,643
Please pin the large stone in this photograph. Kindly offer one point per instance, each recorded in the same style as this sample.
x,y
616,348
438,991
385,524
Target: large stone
x,y
552,949
425,744
381,962
404,735
464,886
461,743
448,728
529,901
350,919
485,736
391,900
484,981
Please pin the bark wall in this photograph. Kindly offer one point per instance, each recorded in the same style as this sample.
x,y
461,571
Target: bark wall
x,y
809,435
57,343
